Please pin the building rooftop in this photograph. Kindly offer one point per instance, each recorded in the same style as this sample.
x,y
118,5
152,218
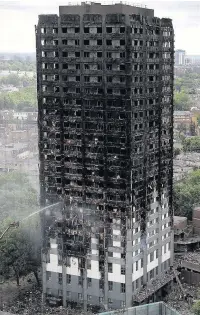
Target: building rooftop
x,y
178,219
98,8
159,308
181,113
14,147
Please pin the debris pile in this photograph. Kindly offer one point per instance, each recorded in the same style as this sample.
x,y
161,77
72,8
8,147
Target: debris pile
x,y
155,285
176,301
193,257
30,303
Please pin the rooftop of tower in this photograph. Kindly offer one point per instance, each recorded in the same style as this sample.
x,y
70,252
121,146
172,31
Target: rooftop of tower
x,y
103,9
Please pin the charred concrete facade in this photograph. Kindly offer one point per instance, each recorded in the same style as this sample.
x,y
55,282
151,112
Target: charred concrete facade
x,y
105,95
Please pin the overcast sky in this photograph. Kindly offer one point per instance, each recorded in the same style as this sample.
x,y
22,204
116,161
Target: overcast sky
x,y
17,20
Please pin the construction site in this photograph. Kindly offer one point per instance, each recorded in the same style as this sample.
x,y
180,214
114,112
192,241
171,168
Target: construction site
x,y
105,118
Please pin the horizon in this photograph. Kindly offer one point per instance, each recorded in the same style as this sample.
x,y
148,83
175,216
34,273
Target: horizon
x,y
17,20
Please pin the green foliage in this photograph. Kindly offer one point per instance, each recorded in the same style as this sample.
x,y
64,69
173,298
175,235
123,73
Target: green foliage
x,y
19,252
186,194
184,87
196,308
177,151
18,65
17,197
181,101
191,144
20,247
187,82
24,98
18,81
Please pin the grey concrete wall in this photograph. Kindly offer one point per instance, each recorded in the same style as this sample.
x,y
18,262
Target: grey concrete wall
x,y
190,277
196,212
180,222
74,287
197,230
190,265
159,308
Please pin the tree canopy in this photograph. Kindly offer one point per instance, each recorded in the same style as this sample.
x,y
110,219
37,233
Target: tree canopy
x,y
18,80
181,101
185,86
20,100
20,247
18,65
196,308
186,194
187,82
191,144
19,251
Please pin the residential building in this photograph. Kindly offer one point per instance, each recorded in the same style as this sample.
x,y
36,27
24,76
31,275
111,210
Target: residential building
x,y
180,57
105,117
183,121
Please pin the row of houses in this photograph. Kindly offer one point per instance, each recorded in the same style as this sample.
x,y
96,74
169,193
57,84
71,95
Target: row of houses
x,y
187,122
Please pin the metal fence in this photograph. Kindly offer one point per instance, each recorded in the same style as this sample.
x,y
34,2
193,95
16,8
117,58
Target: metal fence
x,y
159,308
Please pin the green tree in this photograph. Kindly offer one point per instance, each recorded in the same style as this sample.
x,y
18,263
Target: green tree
x,y
18,65
19,252
20,248
12,79
191,144
181,101
196,308
18,80
24,98
178,83
186,194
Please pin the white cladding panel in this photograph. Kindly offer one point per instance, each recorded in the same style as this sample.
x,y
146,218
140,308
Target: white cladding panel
x,y
94,272
152,265
116,276
73,269
53,265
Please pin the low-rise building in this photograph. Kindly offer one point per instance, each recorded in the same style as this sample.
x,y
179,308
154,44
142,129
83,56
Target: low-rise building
x,y
183,121
186,235
12,150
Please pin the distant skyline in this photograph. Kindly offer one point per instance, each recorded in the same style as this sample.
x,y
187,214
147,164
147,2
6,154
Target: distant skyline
x,y
17,20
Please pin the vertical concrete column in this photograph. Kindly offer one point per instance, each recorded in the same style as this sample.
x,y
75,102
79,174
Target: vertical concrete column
x,y
145,256
64,285
44,278
160,239
85,287
172,247
129,262
106,281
